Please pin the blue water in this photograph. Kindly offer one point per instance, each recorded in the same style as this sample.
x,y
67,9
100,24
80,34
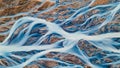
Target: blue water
x,y
29,34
